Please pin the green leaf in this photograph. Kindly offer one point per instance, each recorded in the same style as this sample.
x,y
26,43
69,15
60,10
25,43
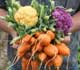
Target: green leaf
x,y
36,5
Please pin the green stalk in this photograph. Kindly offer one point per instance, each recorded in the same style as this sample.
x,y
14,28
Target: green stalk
x,y
52,5
32,3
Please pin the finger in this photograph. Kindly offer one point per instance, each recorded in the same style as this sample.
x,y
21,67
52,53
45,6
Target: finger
x,y
66,39
15,46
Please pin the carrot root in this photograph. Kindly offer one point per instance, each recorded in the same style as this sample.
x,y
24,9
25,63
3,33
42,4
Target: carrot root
x,y
14,59
67,68
13,63
57,68
40,65
49,68
49,61
30,59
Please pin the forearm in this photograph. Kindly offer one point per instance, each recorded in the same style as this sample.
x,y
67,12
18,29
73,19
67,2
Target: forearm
x,y
3,24
76,22
4,27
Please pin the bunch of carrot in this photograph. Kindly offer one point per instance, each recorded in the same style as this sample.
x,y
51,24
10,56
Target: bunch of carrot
x,y
39,49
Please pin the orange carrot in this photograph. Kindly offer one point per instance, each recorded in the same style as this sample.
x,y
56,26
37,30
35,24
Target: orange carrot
x,y
58,61
44,39
38,47
50,50
34,50
42,56
63,49
34,64
51,34
26,38
24,63
32,40
21,51
41,40
50,64
50,61
18,42
37,34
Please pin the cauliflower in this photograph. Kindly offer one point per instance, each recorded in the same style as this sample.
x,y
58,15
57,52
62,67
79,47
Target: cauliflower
x,y
27,16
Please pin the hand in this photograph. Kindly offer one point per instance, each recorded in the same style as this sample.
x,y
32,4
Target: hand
x,y
66,39
14,34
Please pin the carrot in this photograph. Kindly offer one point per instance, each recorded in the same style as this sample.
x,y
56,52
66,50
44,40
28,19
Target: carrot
x,y
38,47
51,34
34,64
18,42
63,49
26,38
50,64
37,34
28,54
34,50
42,56
50,61
50,50
21,51
44,39
32,40
41,39
57,62
24,63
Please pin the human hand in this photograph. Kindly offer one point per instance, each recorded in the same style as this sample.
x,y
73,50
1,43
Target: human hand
x,y
14,34
66,39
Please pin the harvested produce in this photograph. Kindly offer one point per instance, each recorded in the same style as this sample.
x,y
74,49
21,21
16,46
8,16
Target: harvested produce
x,y
40,31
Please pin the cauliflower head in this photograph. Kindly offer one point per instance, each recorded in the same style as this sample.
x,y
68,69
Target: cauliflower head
x,y
27,16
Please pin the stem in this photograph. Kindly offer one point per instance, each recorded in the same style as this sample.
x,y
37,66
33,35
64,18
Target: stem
x,y
52,6
32,2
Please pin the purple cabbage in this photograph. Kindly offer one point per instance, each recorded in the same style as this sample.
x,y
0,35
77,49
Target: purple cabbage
x,y
63,19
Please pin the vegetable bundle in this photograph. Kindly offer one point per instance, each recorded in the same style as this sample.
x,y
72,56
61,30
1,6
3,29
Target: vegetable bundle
x,y
40,29
40,49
